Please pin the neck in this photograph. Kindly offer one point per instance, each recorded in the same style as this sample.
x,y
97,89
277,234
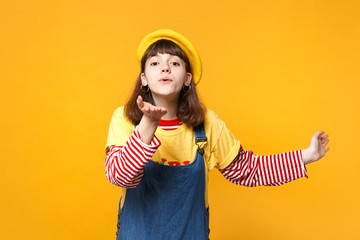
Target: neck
x,y
169,103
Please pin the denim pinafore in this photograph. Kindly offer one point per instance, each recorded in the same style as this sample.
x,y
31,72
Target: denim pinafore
x,y
168,203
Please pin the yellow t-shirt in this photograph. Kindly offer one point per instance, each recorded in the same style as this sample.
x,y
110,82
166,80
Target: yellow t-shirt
x,y
179,144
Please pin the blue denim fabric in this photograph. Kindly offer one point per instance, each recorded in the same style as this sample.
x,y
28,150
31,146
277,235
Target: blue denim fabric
x,y
167,204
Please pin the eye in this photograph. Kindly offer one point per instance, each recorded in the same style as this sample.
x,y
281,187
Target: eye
x,y
175,63
153,64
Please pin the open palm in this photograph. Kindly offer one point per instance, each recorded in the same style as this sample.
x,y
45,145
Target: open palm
x,y
152,112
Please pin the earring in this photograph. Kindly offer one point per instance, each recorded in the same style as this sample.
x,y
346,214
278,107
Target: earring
x,y
186,89
144,89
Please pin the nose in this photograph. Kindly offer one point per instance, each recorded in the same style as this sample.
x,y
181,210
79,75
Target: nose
x,y
165,68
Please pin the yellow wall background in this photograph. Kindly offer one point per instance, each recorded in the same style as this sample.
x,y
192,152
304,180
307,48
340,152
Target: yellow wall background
x,y
275,71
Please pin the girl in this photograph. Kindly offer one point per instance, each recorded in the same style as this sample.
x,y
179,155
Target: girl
x,y
164,188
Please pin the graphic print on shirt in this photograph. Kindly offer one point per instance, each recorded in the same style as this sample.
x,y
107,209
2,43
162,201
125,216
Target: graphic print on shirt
x,y
172,163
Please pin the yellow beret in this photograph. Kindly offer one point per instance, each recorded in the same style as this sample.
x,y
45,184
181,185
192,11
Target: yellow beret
x,y
181,41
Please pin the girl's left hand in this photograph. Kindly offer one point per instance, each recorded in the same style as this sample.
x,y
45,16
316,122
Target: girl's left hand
x,y
316,149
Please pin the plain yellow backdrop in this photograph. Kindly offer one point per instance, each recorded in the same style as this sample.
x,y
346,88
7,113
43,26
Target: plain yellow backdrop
x,y
275,71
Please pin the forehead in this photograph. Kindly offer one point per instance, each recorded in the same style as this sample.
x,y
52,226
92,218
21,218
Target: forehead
x,y
164,55
164,46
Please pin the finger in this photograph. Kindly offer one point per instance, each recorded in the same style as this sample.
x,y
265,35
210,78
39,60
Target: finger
x,y
140,102
139,98
162,111
320,133
157,108
325,143
327,149
324,137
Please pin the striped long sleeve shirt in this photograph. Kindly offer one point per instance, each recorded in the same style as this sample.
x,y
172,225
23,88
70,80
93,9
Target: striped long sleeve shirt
x,y
124,165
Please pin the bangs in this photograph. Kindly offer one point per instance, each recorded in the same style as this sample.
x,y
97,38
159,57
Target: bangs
x,y
165,46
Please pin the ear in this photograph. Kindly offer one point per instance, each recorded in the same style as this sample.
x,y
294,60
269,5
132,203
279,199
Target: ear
x,y
143,79
188,79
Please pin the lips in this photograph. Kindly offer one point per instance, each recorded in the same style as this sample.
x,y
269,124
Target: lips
x,y
165,80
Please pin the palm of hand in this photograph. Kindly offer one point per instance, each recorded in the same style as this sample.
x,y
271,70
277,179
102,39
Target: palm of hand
x,y
149,110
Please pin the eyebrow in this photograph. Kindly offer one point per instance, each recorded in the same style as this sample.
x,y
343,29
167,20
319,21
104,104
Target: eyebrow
x,y
171,56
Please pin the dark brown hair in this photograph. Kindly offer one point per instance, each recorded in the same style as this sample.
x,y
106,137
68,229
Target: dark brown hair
x,y
190,110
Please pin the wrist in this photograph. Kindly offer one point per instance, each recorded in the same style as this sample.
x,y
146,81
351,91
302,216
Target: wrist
x,y
147,128
307,156
149,122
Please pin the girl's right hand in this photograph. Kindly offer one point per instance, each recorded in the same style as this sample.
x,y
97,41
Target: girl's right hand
x,y
152,112
150,120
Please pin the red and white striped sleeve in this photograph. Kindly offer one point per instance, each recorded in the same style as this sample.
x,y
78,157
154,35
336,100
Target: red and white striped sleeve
x,y
124,164
251,170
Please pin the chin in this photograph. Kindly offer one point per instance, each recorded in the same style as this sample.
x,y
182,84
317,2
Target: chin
x,y
166,94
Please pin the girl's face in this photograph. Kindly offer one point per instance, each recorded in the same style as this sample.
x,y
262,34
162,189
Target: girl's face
x,y
165,75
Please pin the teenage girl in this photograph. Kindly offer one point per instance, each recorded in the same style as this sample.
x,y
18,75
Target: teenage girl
x,y
163,143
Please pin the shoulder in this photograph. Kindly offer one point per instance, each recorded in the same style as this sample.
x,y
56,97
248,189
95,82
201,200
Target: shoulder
x,y
211,115
214,126
213,121
119,112
119,118
120,128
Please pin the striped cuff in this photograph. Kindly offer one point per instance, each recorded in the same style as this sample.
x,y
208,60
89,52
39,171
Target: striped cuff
x,y
149,149
303,167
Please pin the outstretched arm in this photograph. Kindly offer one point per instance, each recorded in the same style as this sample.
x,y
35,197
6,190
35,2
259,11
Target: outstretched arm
x,y
251,170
